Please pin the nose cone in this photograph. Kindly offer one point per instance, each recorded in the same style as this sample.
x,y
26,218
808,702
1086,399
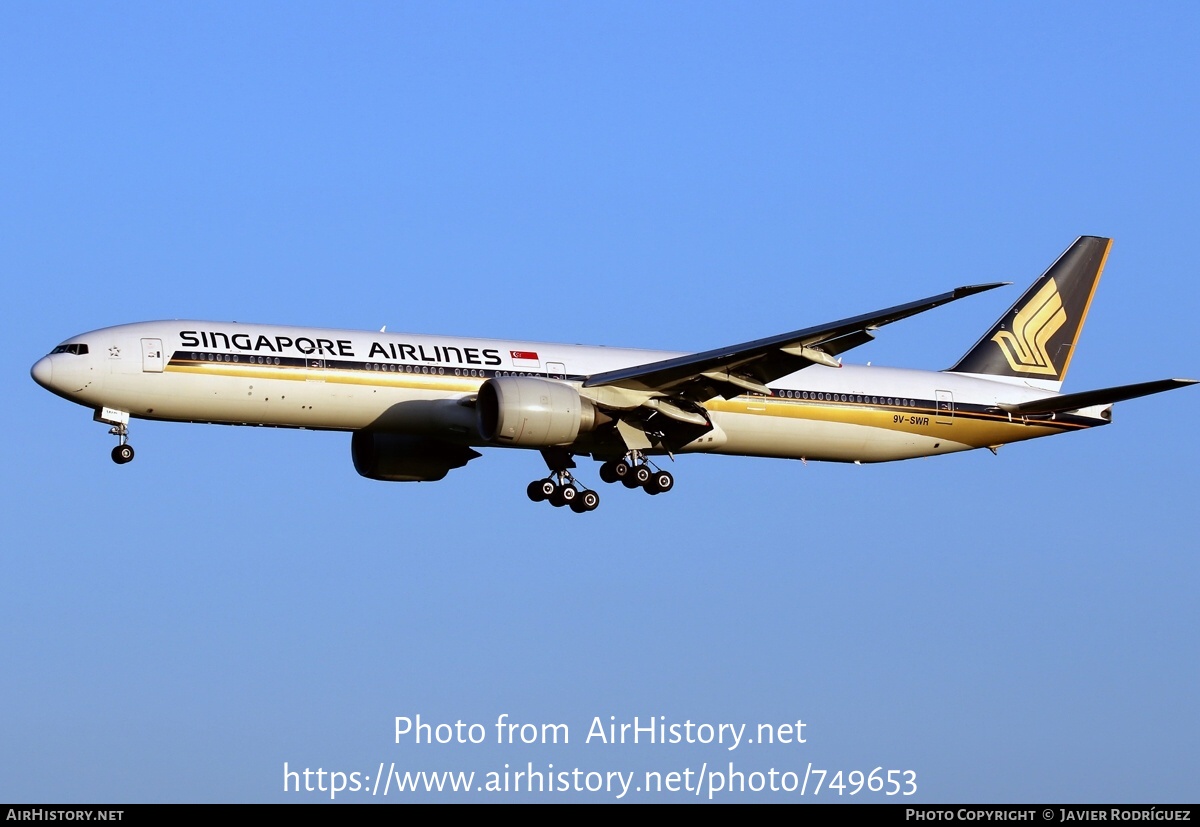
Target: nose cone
x,y
43,372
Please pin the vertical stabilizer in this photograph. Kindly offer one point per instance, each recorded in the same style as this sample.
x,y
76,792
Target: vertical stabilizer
x,y
1033,342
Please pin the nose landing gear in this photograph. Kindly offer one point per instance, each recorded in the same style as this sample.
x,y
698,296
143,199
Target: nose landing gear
x,y
119,420
122,454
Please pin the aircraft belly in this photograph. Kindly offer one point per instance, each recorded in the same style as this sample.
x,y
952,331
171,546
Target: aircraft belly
x,y
867,433
824,440
261,399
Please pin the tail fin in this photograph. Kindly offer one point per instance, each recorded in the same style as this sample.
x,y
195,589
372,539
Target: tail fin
x,y
1033,342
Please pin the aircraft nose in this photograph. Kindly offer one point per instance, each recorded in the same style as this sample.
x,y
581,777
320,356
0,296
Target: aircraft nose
x,y
42,372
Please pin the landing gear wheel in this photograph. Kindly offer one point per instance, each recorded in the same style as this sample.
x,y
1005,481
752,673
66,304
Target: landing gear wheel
x,y
561,488
539,490
659,482
563,495
608,472
621,471
122,454
586,501
635,477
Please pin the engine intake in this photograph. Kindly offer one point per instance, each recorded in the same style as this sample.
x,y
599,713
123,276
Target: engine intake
x,y
532,412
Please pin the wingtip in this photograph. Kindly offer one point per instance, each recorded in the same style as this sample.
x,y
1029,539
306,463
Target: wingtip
x,y
972,289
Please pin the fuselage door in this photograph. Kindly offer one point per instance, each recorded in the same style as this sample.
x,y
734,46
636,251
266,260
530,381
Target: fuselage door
x,y
945,408
152,356
316,370
556,370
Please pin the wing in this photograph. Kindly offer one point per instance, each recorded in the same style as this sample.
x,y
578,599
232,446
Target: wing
x,y
730,371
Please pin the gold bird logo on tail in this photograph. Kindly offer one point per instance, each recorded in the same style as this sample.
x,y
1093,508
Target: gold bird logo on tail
x,y
1025,345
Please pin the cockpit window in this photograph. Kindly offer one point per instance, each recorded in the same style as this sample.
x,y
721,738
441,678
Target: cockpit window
x,y
77,349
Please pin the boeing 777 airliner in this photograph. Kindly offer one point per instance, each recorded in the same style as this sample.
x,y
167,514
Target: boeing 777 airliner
x,y
418,405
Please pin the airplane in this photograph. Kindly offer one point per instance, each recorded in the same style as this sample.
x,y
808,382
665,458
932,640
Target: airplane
x,y
418,406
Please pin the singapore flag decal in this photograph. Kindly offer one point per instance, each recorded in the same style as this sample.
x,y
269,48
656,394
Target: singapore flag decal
x,y
525,359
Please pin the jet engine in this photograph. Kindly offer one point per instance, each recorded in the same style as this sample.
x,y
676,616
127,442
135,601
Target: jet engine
x,y
404,458
532,412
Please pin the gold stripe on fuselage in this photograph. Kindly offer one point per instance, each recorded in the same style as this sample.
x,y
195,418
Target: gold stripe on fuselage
x,y
975,428
978,429
296,373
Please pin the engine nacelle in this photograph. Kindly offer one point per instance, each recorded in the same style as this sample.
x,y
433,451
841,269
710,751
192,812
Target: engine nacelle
x,y
404,458
532,412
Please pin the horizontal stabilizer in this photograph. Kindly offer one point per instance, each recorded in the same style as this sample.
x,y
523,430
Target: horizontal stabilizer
x,y
1088,399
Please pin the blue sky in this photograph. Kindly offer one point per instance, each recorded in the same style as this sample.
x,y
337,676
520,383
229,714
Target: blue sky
x,y
677,176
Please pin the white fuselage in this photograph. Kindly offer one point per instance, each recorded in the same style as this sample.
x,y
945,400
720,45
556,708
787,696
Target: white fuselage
x,y
219,372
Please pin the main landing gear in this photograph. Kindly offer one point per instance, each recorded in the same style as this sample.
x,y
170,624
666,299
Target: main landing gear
x,y
635,471
123,453
560,489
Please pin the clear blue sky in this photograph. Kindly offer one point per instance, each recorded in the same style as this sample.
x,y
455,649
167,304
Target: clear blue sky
x,y
679,176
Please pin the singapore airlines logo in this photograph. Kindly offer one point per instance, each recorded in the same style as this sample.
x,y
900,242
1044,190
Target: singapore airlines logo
x,y
1025,345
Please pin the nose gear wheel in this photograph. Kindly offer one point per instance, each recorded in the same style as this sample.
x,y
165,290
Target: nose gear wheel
x,y
123,453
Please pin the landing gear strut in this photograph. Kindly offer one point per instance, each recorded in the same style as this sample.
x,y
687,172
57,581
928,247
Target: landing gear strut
x,y
633,470
636,471
123,453
119,420
560,488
